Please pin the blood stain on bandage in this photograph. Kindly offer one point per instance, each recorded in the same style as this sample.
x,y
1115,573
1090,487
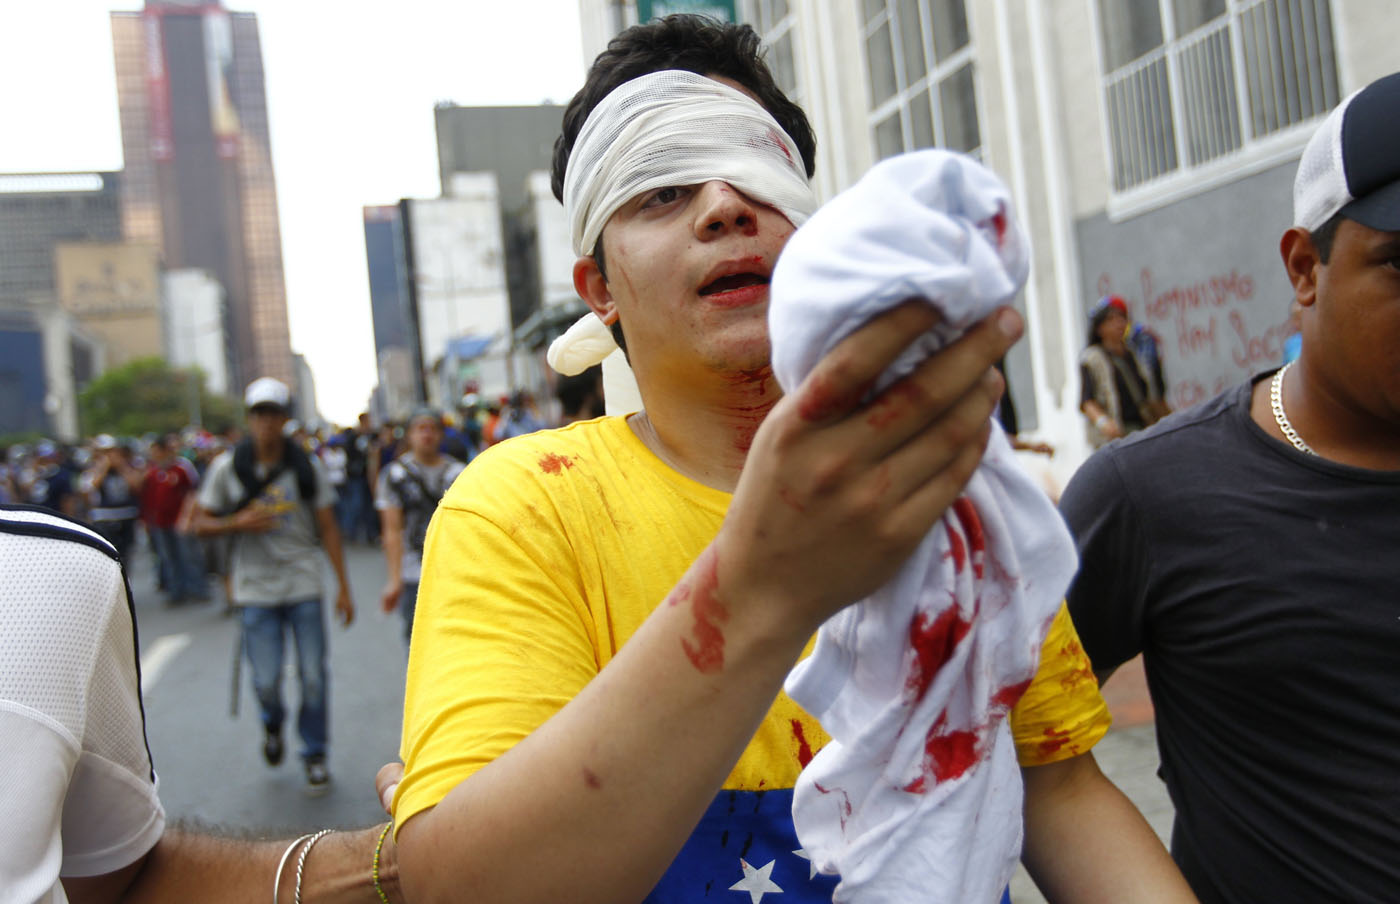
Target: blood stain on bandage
x,y
705,647
1082,671
933,641
555,464
1055,740
972,525
804,750
947,756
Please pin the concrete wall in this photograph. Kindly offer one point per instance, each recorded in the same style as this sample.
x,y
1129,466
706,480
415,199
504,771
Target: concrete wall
x,y
1205,274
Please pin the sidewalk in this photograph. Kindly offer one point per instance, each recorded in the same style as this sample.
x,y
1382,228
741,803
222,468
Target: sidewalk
x,y
1128,756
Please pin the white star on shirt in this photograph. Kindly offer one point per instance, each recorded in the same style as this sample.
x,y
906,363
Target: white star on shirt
x,y
811,864
757,882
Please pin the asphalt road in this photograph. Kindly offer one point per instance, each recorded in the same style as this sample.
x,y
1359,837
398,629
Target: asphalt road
x,y
210,764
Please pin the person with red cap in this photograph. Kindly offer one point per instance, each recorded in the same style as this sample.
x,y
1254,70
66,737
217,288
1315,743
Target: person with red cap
x,y
1120,392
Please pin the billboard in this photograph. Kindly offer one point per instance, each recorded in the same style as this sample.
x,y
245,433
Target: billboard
x,y
107,279
722,10
218,62
113,290
162,132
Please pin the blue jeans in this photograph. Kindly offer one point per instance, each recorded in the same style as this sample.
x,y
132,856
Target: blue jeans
x,y
359,516
264,640
181,563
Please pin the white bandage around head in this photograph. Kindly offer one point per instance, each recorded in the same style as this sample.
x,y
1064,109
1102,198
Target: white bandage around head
x,y
675,128
670,128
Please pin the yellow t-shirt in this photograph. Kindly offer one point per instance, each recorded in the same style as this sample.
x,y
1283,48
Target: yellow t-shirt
x,y
548,553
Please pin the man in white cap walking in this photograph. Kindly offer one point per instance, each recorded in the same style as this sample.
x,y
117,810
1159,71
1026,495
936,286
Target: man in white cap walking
x,y
1247,548
274,500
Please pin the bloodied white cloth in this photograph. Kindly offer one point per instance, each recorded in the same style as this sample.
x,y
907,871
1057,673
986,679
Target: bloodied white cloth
x,y
918,795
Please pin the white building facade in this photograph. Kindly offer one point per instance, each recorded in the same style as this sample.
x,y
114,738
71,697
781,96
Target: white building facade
x,y
192,307
1150,145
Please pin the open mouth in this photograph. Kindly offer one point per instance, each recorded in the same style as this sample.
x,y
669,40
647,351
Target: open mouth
x,y
732,282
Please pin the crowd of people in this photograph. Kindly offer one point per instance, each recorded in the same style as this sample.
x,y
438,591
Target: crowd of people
x,y
606,613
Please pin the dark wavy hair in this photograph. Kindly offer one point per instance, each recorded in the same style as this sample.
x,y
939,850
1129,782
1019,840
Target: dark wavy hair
x,y
697,44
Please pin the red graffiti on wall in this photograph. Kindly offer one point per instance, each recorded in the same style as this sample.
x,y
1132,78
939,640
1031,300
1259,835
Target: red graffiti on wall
x,y
1203,327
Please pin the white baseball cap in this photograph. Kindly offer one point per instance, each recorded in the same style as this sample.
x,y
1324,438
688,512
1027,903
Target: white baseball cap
x,y
268,391
1351,165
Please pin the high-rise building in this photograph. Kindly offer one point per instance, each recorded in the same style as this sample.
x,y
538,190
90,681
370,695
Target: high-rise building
x,y
396,345
39,210
46,356
511,142
198,181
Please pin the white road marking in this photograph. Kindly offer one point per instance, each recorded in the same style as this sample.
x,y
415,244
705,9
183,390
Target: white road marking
x,y
158,656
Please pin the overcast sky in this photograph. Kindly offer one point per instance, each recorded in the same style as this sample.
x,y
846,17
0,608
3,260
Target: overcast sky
x,y
351,88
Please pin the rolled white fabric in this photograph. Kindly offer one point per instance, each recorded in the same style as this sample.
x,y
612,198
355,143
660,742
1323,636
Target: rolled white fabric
x,y
581,346
918,795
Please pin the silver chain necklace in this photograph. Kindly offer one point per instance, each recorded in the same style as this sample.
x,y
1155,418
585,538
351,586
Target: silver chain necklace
x,y
1276,403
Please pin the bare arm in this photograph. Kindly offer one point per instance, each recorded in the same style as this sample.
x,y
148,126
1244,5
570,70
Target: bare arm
x,y
1101,418
253,519
391,531
1086,842
335,551
637,756
184,867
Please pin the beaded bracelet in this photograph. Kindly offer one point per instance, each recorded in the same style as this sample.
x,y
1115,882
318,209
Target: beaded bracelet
x,y
281,864
301,860
374,870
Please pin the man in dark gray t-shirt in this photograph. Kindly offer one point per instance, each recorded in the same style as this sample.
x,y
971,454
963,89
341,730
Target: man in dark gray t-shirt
x,y
1248,549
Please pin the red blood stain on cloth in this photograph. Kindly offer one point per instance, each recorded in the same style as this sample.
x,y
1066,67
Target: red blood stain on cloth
x,y
705,647
956,548
804,750
1009,696
972,526
845,801
947,756
933,641
555,464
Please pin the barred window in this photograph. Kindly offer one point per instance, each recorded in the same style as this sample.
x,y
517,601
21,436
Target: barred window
x,y
774,20
1190,81
922,87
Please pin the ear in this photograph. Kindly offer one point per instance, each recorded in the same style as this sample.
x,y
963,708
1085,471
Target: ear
x,y
593,289
1301,261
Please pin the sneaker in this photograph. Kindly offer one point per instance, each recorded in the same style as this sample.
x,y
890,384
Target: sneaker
x,y
318,777
272,745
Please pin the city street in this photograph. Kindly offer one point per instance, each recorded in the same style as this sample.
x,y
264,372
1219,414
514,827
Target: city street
x,y
211,768
210,765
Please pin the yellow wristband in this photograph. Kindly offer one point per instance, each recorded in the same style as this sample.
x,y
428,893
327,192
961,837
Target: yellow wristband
x,y
374,869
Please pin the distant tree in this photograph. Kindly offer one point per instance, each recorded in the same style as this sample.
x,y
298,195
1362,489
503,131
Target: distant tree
x,y
147,395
